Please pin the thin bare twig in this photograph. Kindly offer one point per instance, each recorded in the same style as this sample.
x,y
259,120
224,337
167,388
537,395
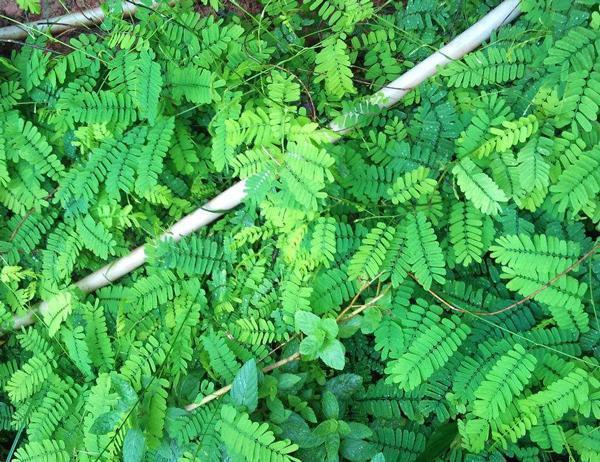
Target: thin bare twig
x,y
371,302
519,302
358,294
295,356
27,215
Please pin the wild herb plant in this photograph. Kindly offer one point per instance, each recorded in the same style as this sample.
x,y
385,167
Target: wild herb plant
x,y
425,289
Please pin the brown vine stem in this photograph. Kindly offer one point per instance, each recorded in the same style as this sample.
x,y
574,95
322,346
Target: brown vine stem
x,y
550,283
222,391
371,302
27,215
358,294
350,305
295,356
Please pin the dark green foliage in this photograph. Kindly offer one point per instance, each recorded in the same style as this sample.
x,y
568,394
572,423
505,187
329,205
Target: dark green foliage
x,y
397,295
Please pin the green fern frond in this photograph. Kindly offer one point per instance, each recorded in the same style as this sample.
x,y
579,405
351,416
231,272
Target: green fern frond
x,y
564,51
505,380
322,242
77,349
397,259
428,351
248,440
411,185
579,181
154,409
201,426
151,154
27,232
55,405
580,101
547,434
103,107
143,360
371,254
490,112
389,339
59,308
494,65
399,444
566,292
566,393
255,332
333,67
95,237
147,85
97,339
222,359
342,15
478,187
547,253
154,290
198,86
424,252
31,376
10,94
33,147
512,133
514,424
586,442
469,233
192,255
44,450
331,288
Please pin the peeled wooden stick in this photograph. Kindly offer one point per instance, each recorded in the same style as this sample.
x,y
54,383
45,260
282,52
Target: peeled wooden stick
x,y
236,194
470,39
209,212
62,23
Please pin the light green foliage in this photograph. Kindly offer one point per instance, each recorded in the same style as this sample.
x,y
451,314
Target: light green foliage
x,y
333,67
192,255
478,187
46,450
397,295
424,252
195,85
586,443
505,379
147,86
58,309
430,348
371,254
539,251
247,440
578,184
469,233
412,185
321,339
33,6
491,65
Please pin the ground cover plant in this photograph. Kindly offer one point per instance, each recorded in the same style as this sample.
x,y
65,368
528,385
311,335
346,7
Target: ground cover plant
x,y
424,289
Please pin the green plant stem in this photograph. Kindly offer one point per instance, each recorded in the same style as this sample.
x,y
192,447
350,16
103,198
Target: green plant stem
x,y
294,356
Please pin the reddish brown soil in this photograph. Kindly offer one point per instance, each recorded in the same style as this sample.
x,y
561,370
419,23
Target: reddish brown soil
x,y
50,8
11,14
